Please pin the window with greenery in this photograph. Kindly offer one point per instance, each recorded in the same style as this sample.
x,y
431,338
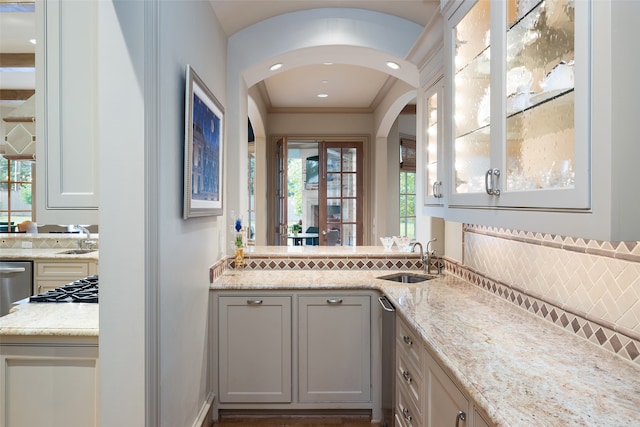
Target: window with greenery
x,y
408,204
408,187
15,193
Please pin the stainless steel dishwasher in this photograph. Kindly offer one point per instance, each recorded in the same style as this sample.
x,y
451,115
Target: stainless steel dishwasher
x,y
388,361
16,283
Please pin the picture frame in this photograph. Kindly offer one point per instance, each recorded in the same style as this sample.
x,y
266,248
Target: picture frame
x,y
203,149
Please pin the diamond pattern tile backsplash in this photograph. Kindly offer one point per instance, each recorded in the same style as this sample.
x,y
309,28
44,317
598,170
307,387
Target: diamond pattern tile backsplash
x,y
587,286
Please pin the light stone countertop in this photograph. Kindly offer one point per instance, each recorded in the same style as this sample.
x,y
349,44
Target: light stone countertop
x,y
38,254
54,320
521,370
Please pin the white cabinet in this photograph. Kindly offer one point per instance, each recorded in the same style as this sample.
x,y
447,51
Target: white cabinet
x,y
432,147
334,348
282,350
52,274
66,113
254,348
446,404
539,118
410,382
425,395
49,381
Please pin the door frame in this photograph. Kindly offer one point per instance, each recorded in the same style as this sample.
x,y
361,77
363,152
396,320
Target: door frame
x,y
272,176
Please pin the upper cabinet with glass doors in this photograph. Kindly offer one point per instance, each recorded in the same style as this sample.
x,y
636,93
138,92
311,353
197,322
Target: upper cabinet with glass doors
x,y
517,78
432,146
540,124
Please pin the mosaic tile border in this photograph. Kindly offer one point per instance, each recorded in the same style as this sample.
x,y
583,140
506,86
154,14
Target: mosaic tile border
x,y
625,344
627,250
44,241
329,263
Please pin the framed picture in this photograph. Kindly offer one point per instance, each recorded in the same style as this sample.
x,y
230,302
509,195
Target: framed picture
x,y
204,140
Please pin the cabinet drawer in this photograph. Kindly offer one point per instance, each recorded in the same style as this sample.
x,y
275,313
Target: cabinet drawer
x,y
62,269
408,343
409,380
406,413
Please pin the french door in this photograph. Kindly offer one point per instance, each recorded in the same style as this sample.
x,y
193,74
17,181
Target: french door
x,y
281,192
341,193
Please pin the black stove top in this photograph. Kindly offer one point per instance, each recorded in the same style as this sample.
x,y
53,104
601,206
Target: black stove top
x,y
82,290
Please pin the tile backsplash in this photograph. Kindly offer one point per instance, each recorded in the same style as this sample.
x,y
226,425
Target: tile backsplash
x,y
589,287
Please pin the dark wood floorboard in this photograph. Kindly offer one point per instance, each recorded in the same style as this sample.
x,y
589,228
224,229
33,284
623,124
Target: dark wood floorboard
x,y
296,421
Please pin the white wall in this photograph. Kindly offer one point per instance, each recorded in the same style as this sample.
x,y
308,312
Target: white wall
x,y
154,265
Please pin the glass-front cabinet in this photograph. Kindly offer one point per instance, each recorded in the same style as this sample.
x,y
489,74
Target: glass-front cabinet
x,y
432,146
518,84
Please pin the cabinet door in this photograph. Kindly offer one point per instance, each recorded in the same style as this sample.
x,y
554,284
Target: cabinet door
x,y
66,125
49,384
519,129
445,402
334,348
254,350
432,153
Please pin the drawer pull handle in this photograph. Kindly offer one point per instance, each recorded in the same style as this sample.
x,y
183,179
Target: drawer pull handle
x,y
407,340
405,414
407,376
254,301
460,416
334,301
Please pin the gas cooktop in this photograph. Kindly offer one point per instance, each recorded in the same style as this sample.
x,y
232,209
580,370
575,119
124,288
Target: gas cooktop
x,y
82,290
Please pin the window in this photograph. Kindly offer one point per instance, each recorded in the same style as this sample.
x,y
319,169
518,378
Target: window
x,y
15,193
407,187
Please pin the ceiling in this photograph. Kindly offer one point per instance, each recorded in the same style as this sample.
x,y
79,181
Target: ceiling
x,y
349,87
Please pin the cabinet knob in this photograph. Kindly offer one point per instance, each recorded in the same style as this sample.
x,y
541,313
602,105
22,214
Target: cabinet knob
x,y
407,340
407,376
406,415
460,416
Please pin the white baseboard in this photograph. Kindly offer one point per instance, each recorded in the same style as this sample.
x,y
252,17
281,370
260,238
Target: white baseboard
x,y
204,416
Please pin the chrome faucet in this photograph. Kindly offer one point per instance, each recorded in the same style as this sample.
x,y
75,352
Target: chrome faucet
x,y
87,241
413,247
428,255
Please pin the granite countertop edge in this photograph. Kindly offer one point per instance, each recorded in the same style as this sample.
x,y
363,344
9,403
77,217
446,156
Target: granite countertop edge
x,y
520,369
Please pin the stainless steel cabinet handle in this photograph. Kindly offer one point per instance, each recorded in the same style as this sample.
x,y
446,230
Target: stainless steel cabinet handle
x,y
494,186
460,416
405,414
12,270
334,301
407,376
386,305
407,340
491,182
488,181
254,301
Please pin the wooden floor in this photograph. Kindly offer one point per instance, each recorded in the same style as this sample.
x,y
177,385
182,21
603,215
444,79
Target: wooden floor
x,y
297,421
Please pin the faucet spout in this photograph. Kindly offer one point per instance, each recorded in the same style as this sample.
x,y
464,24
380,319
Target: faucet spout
x,y
84,230
413,247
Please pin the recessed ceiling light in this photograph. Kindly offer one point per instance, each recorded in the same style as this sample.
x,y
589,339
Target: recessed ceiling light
x,y
327,63
393,65
32,41
324,81
275,67
322,95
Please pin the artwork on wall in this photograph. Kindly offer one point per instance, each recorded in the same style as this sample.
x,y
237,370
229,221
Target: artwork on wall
x,y
204,140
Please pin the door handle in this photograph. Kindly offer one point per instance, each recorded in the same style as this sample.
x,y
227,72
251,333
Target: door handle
x,y
12,270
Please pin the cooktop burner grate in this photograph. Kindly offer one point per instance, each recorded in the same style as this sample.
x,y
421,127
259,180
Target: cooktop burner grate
x,y
82,290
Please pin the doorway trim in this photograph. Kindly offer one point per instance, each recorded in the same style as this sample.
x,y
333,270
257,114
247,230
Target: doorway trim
x,y
367,196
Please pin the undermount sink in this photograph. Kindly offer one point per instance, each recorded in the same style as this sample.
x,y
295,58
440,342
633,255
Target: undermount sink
x,y
77,251
407,277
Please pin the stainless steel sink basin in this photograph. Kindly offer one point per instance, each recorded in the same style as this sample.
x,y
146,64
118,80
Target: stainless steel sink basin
x,y
407,277
77,251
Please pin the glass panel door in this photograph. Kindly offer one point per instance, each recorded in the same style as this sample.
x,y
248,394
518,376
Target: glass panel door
x,y
341,189
281,192
472,101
